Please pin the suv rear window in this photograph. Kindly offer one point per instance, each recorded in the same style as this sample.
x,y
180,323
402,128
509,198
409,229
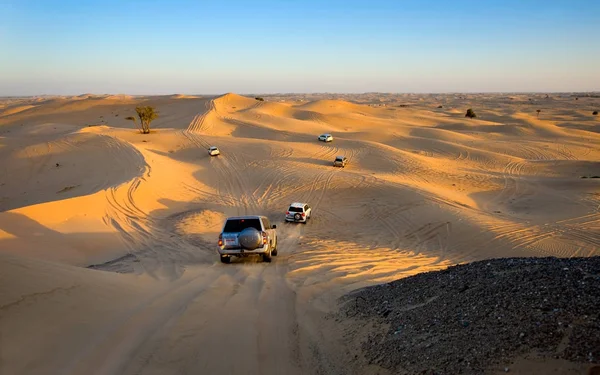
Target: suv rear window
x,y
339,158
237,225
295,209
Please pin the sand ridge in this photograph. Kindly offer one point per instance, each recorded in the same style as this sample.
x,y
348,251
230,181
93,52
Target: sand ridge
x,y
425,188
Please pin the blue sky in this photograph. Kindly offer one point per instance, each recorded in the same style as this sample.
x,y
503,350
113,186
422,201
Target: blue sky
x,y
266,46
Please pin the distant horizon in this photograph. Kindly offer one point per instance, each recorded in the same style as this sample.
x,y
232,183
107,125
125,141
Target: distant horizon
x,y
305,93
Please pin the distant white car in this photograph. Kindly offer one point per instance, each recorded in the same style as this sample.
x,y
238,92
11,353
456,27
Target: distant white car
x,y
298,212
213,151
325,138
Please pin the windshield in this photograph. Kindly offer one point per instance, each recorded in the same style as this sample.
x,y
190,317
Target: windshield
x,y
237,225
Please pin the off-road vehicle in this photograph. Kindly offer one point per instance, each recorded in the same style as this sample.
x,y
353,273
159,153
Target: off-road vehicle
x,y
298,212
244,236
340,161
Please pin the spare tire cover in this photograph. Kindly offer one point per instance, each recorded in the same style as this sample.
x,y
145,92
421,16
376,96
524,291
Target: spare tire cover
x,y
250,239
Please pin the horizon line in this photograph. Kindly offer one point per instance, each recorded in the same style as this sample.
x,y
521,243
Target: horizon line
x,y
312,93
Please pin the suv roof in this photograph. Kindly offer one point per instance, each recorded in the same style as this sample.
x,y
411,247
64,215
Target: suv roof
x,y
340,157
296,204
246,217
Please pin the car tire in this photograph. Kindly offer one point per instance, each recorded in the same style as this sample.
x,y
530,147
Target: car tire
x,y
267,257
274,251
297,217
225,259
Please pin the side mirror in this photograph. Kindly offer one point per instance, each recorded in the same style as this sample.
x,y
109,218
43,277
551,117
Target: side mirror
x,y
274,226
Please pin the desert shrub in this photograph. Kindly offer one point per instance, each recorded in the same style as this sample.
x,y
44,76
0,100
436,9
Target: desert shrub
x,y
595,113
259,99
146,115
538,112
470,113
440,106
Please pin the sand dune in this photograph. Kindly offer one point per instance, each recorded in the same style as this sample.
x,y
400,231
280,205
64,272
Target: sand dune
x,y
425,188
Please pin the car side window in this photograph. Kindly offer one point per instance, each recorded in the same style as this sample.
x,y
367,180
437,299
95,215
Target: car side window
x,y
266,223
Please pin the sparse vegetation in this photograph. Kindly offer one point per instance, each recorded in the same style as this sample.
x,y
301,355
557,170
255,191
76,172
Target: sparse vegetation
x,y
538,112
595,113
259,99
440,106
146,115
470,113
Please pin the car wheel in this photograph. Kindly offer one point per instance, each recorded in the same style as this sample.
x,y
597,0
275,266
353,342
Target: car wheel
x,y
225,259
274,251
267,257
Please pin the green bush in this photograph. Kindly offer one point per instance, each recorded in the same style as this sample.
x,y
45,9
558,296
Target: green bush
x,y
146,115
595,113
470,113
259,99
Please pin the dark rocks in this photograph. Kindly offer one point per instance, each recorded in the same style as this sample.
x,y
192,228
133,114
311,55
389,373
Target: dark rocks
x,y
468,318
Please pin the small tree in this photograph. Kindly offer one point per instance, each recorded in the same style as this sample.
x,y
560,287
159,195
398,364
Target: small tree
x,y
538,112
470,113
146,115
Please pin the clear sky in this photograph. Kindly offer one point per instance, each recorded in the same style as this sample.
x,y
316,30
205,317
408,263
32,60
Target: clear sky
x,y
267,46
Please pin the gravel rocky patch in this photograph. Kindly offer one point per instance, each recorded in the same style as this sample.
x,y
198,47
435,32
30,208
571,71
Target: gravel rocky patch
x,y
469,318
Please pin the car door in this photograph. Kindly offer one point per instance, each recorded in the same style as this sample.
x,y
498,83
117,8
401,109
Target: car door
x,y
307,210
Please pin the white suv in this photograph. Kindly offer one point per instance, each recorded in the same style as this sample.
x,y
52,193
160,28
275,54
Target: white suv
x,y
298,212
325,138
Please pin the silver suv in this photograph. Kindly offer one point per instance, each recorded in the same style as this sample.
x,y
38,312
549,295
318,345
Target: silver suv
x,y
340,161
244,236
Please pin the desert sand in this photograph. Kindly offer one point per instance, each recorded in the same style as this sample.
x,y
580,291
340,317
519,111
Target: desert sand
x,y
107,236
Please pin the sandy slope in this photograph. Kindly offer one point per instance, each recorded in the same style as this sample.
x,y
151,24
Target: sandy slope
x,y
425,188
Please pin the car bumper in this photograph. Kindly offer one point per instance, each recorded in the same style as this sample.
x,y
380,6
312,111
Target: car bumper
x,y
294,220
243,252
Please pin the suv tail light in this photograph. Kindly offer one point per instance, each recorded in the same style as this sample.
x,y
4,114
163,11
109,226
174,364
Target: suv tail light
x,y
303,214
264,236
220,240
